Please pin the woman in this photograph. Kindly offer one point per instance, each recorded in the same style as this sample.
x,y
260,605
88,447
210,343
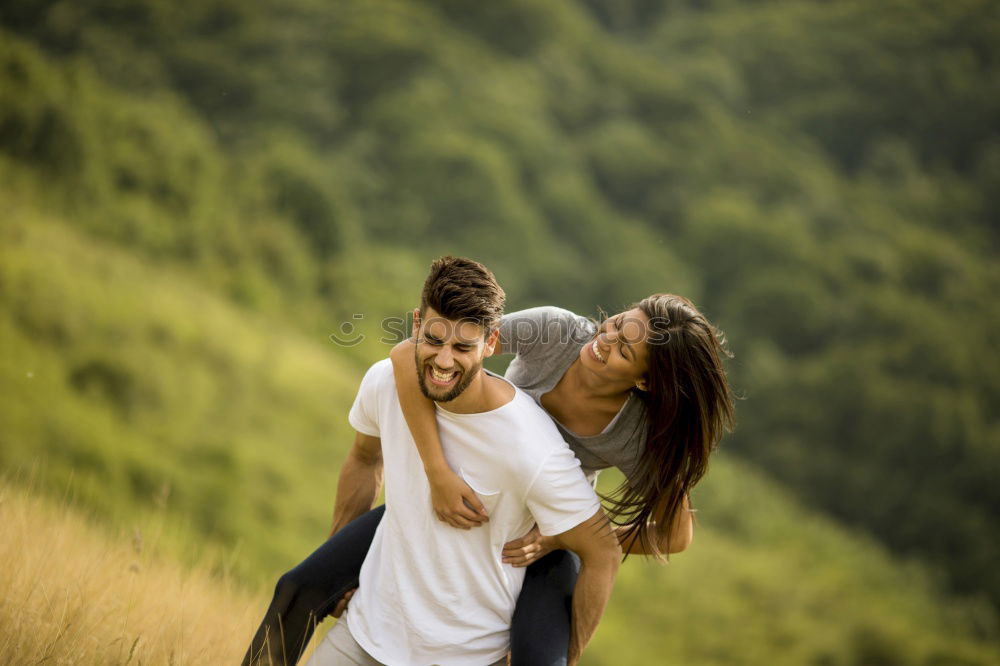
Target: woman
x,y
644,391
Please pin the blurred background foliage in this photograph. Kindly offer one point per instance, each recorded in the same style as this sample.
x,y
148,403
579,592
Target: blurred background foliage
x,y
196,195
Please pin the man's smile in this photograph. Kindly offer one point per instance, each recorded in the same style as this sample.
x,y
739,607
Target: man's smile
x,y
441,378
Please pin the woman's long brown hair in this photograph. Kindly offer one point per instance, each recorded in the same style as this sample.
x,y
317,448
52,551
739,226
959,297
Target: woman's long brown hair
x,y
688,406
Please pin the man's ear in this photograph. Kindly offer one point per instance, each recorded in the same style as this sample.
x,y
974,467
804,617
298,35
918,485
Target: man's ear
x,y
492,340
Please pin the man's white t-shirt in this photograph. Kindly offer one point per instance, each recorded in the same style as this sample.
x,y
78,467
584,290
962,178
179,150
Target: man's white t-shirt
x,y
433,594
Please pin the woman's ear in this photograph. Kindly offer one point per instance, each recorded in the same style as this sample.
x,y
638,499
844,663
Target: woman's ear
x,y
416,323
642,384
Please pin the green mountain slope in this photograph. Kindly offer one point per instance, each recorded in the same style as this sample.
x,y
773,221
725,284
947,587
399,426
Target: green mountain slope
x,y
820,177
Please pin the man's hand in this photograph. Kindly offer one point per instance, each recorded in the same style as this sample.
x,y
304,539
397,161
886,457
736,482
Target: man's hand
x,y
341,606
532,546
454,501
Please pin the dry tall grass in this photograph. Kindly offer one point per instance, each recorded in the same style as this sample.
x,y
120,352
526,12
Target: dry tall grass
x,y
71,595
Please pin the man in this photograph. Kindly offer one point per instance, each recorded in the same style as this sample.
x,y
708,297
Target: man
x,y
430,593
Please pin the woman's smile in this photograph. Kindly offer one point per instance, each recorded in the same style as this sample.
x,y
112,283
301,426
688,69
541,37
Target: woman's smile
x,y
595,352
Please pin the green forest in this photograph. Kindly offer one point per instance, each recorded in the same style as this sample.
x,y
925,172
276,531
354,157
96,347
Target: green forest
x,y
196,196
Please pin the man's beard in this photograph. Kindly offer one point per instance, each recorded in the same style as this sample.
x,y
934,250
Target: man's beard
x,y
464,379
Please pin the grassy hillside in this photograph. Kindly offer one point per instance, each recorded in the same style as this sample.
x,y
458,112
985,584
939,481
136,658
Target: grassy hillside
x,y
164,409
803,592
139,388
195,196
767,581
821,178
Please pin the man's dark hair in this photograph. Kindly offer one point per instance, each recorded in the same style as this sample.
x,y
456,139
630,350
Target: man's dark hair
x,y
463,289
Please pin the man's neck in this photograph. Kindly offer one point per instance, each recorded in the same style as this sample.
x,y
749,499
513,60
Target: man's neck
x,y
485,393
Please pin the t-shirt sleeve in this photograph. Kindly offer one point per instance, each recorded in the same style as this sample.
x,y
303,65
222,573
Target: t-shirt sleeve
x,y
529,332
364,412
560,497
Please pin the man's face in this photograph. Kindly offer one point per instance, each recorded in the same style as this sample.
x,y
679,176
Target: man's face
x,y
449,354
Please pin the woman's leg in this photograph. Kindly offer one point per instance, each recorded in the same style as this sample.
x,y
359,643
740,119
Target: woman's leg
x,y
539,631
308,593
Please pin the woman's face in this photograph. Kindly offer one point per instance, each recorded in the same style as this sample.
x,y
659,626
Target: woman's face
x,y
619,352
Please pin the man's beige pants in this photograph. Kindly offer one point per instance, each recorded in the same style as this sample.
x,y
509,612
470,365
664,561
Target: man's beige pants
x,y
340,649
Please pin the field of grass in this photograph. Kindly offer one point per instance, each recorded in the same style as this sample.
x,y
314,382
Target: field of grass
x,y
71,593
75,592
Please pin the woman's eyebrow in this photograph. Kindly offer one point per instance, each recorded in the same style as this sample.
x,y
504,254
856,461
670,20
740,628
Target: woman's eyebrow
x,y
618,325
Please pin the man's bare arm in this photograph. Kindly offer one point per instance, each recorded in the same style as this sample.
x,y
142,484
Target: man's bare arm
x,y
597,545
360,480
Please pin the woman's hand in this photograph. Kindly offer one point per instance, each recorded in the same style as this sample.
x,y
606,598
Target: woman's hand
x,y
454,501
532,546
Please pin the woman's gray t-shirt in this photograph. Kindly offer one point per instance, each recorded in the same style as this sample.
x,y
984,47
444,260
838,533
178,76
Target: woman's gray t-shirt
x,y
546,341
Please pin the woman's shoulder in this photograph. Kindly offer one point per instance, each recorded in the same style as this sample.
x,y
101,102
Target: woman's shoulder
x,y
621,444
542,327
542,314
